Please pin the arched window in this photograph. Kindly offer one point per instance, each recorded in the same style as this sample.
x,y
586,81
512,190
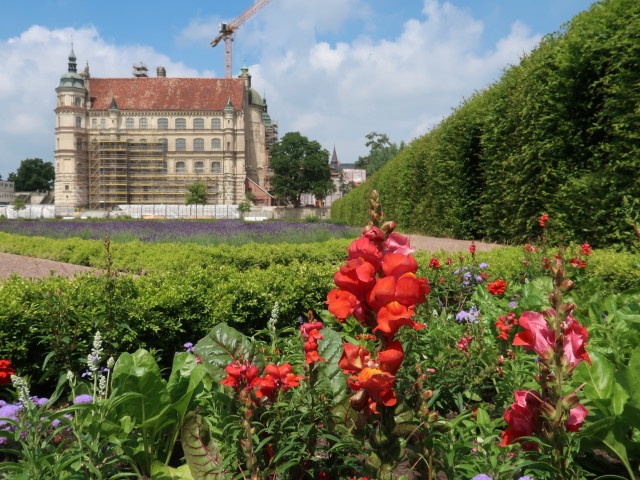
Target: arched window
x,y
165,144
129,123
215,167
143,123
181,124
181,145
216,124
198,145
199,167
215,144
198,123
180,167
163,124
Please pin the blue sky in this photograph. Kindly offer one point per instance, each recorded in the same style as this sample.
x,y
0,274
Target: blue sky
x,y
334,70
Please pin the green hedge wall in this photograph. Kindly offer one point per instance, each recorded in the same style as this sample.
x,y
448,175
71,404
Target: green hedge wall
x,y
557,134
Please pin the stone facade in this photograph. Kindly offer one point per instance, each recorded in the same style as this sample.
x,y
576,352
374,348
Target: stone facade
x,y
144,140
7,192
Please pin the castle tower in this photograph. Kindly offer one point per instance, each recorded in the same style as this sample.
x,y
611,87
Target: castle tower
x,y
70,154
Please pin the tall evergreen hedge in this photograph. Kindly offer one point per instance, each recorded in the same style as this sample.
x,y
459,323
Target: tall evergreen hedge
x,y
558,134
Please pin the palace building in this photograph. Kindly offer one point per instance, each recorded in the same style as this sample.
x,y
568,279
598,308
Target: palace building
x,y
144,140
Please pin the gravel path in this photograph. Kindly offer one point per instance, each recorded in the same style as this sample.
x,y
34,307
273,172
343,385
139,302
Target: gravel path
x,y
30,267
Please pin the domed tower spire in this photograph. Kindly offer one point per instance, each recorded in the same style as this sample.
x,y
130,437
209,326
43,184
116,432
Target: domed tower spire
x,y
73,66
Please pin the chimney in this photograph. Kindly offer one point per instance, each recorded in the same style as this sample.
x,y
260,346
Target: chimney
x,y
161,72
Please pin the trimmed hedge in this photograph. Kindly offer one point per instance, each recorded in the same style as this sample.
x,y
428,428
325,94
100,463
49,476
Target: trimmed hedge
x,y
557,134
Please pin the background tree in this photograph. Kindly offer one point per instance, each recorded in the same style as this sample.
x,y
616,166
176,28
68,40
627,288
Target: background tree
x,y
300,166
19,204
380,152
33,174
197,194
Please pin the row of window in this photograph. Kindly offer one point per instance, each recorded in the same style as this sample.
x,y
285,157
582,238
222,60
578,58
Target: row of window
x,y
198,167
198,144
179,124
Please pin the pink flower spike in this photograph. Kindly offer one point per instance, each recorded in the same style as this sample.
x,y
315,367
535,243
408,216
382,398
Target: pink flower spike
x,y
536,335
575,336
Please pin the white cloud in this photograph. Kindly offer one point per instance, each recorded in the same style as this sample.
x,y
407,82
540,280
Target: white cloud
x,y
32,64
403,86
333,92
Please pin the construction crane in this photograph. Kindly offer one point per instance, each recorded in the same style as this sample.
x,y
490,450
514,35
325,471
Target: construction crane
x,y
228,30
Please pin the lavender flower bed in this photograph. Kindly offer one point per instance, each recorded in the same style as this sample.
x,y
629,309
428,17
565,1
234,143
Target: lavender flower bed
x,y
228,232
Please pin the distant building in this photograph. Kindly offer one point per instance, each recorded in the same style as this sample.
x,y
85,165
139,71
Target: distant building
x,y
342,175
7,192
144,140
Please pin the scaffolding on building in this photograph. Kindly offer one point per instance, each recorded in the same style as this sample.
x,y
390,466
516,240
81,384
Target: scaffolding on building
x,y
135,172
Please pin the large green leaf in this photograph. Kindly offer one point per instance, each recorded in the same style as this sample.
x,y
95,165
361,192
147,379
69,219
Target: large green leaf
x,y
329,373
601,386
222,345
186,376
200,449
160,471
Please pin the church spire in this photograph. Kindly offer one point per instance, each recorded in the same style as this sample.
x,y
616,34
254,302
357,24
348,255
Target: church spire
x,y
73,66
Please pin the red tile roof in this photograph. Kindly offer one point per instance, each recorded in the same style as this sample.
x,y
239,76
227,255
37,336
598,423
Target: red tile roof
x,y
166,93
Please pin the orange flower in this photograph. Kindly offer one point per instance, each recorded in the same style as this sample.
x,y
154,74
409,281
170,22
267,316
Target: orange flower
x,y
240,375
407,290
276,378
365,249
543,220
341,303
357,277
378,384
391,358
354,358
397,264
394,315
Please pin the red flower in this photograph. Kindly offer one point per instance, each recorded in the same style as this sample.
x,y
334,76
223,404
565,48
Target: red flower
x,y
393,316
537,334
365,249
311,330
311,353
407,290
543,220
449,261
277,378
354,358
505,324
378,385
375,235
391,358
497,288
6,371
434,263
397,264
576,263
341,303
523,417
240,375
472,249
529,248
585,249
357,277
576,418
464,343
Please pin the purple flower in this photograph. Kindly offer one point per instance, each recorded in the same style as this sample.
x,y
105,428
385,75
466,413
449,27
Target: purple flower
x,y
84,398
462,316
189,347
39,402
513,304
482,476
526,477
483,265
478,279
9,411
85,373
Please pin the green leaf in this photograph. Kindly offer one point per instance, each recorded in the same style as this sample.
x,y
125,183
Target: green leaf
x,y
160,471
602,389
329,373
200,450
222,345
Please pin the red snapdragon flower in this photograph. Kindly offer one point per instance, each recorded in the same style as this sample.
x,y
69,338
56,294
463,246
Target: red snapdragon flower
x,y
543,220
311,333
408,290
367,250
505,324
240,375
357,277
497,288
524,418
472,249
529,248
434,263
585,249
6,371
577,263
464,343
277,378
539,336
397,264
